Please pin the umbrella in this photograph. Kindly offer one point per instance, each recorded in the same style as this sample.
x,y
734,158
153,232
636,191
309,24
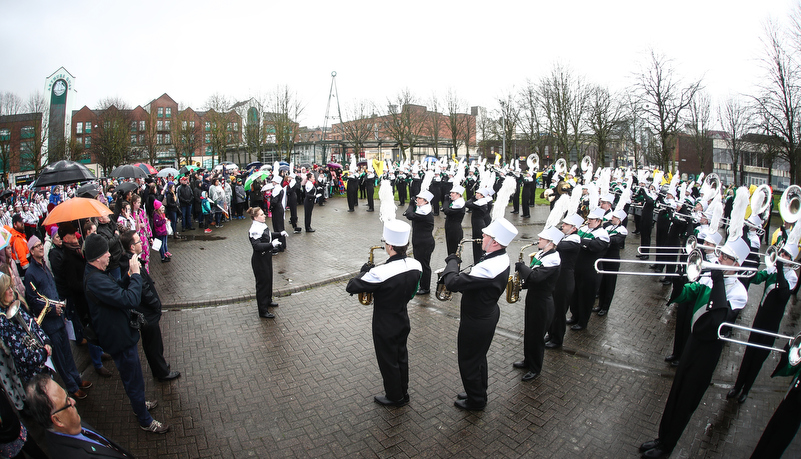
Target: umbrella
x,y
149,170
361,163
266,167
168,171
253,165
431,159
256,175
187,169
128,171
334,166
283,163
283,167
125,187
75,209
6,193
86,191
63,172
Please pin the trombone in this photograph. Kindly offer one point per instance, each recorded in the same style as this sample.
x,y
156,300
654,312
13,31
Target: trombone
x,y
689,246
772,256
793,354
695,267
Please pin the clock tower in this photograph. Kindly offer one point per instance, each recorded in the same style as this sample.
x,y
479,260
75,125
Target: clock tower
x,y
60,93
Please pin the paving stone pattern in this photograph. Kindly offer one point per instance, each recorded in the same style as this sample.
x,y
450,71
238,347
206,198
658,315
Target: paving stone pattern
x,y
302,385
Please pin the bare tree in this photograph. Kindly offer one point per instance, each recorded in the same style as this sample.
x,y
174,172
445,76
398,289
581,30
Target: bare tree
x,y
360,127
700,119
779,97
32,151
484,128
632,129
664,99
506,126
217,107
532,123
605,115
112,137
151,144
187,135
10,104
406,122
736,120
563,100
284,109
457,121
435,122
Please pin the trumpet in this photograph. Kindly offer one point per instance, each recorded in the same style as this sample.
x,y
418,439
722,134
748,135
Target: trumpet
x,y
366,298
793,354
442,293
513,284
772,256
48,305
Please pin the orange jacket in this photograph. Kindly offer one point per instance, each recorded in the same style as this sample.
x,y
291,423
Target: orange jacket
x,y
19,247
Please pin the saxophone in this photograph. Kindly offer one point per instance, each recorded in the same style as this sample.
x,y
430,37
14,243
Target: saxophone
x,y
442,293
48,305
513,285
366,298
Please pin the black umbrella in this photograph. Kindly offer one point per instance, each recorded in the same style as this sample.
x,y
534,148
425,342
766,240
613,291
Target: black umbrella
x,y
63,172
125,187
128,171
6,193
86,191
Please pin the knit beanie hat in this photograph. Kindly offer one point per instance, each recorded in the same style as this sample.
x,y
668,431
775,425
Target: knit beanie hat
x,y
95,247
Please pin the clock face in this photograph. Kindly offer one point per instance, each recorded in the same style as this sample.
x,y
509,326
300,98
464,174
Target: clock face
x,y
59,88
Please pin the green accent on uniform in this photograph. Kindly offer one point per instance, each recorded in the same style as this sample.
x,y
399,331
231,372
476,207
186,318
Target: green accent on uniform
x,y
700,293
535,262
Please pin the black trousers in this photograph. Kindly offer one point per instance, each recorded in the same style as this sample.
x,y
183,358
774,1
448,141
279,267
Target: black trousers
x,y
263,271
153,345
683,325
539,314
370,190
606,291
422,253
473,342
308,206
781,428
562,295
393,361
584,297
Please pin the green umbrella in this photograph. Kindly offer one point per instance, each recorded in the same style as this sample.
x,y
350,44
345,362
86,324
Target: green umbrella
x,y
256,175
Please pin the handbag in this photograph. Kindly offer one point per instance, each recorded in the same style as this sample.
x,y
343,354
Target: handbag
x,y
156,246
169,227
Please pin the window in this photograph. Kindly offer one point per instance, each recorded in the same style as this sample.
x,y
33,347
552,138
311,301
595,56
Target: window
x,y
79,128
167,139
183,124
161,112
106,124
208,126
159,139
192,124
160,125
133,125
133,139
169,112
87,141
208,138
87,127
167,125
27,132
236,126
142,125
141,139
5,134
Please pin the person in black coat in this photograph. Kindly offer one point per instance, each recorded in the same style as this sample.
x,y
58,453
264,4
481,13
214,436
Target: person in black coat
x,y
419,213
67,437
392,284
369,188
479,210
478,311
352,190
263,241
150,307
778,283
646,225
568,249
453,208
402,186
308,202
527,195
540,280
784,424
277,210
712,298
663,220
594,242
617,241
292,192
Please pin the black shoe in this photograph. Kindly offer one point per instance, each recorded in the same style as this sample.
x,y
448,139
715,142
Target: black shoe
x,y
423,292
515,212
734,392
526,216
309,230
465,405
520,364
547,337
529,376
370,210
462,395
552,345
297,230
636,232
655,453
172,375
350,210
671,358
650,445
273,304
602,312
666,281
643,257
577,327
596,309
267,315
743,397
383,400
674,363
571,321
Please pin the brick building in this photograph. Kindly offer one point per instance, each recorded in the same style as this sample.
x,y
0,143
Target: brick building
x,y
17,142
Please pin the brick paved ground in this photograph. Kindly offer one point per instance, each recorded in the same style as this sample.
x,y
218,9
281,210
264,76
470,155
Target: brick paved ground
x,y
302,384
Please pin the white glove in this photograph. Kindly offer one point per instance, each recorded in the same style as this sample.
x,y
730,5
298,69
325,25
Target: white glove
x,y
276,243
284,233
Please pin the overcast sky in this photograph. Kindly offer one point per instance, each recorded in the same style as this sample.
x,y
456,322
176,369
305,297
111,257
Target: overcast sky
x,y
138,50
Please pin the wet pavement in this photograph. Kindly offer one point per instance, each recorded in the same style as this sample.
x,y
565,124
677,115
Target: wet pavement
x,y
302,385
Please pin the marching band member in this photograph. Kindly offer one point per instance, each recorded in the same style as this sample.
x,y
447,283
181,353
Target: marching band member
x,y
419,212
453,207
594,243
647,195
540,280
712,298
617,241
568,248
479,312
479,207
529,188
392,284
263,242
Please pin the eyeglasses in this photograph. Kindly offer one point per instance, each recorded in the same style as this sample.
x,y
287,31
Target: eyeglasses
x,y
68,405
138,242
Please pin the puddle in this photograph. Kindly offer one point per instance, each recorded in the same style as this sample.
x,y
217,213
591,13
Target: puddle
x,y
200,237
